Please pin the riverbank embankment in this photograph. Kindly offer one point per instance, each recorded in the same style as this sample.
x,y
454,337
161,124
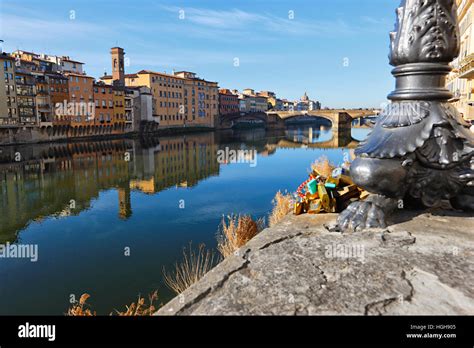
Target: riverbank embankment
x,y
421,264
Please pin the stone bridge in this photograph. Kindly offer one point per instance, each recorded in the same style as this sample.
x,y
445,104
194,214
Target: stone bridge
x,y
275,119
337,117
270,121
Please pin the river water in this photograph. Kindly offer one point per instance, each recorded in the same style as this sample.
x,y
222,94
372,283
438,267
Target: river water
x,y
106,217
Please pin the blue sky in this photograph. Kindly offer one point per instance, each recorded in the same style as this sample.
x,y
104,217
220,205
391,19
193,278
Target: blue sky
x,y
336,50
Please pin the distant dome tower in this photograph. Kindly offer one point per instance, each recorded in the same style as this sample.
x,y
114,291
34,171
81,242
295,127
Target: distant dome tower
x,y
305,97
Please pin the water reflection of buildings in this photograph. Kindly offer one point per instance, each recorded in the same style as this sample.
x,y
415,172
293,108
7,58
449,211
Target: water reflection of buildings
x,y
177,161
62,179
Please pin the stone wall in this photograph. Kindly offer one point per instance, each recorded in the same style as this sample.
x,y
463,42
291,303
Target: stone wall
x,y
422,264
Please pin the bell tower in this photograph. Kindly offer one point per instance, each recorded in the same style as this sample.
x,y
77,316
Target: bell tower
x,y
118,70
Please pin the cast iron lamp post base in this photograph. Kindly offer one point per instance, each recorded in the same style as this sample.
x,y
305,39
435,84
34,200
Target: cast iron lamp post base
x,y
420,149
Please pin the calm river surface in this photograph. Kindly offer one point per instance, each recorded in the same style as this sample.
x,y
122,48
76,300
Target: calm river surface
x,y
85,204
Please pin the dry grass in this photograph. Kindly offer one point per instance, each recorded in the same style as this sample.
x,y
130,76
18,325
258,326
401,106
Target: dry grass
x,y
323,166
80,309
191,269
140,308
281,208
236,232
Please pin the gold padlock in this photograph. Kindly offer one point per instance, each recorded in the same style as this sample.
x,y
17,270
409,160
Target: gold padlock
x,y
299,208
324,197
314,207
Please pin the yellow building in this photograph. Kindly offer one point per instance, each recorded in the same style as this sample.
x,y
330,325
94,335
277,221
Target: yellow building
x,y
181,99
460,80
201,100
168,92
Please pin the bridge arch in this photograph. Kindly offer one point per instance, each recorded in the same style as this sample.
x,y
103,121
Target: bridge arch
x,y
304,116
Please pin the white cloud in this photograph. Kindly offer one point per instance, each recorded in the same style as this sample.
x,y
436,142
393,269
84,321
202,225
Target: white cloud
x,y
237,22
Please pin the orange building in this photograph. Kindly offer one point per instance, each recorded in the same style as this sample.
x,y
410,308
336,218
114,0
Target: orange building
x,y
228,102
59,94
104,104
81,94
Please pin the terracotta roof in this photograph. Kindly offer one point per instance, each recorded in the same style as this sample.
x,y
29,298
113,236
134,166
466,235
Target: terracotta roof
x,y
76,74
226,92
159,73
109,77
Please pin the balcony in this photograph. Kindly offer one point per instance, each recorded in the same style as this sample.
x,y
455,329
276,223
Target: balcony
x,y
25,105
466,67
9,122
44,106
20,82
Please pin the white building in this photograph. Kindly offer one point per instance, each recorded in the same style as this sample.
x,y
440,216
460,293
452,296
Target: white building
x,y
65,64
305,104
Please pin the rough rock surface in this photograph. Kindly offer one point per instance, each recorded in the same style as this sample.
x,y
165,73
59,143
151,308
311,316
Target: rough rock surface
x,y
422,264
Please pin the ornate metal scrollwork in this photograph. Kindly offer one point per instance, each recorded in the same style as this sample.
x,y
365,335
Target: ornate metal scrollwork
x,y
420,146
